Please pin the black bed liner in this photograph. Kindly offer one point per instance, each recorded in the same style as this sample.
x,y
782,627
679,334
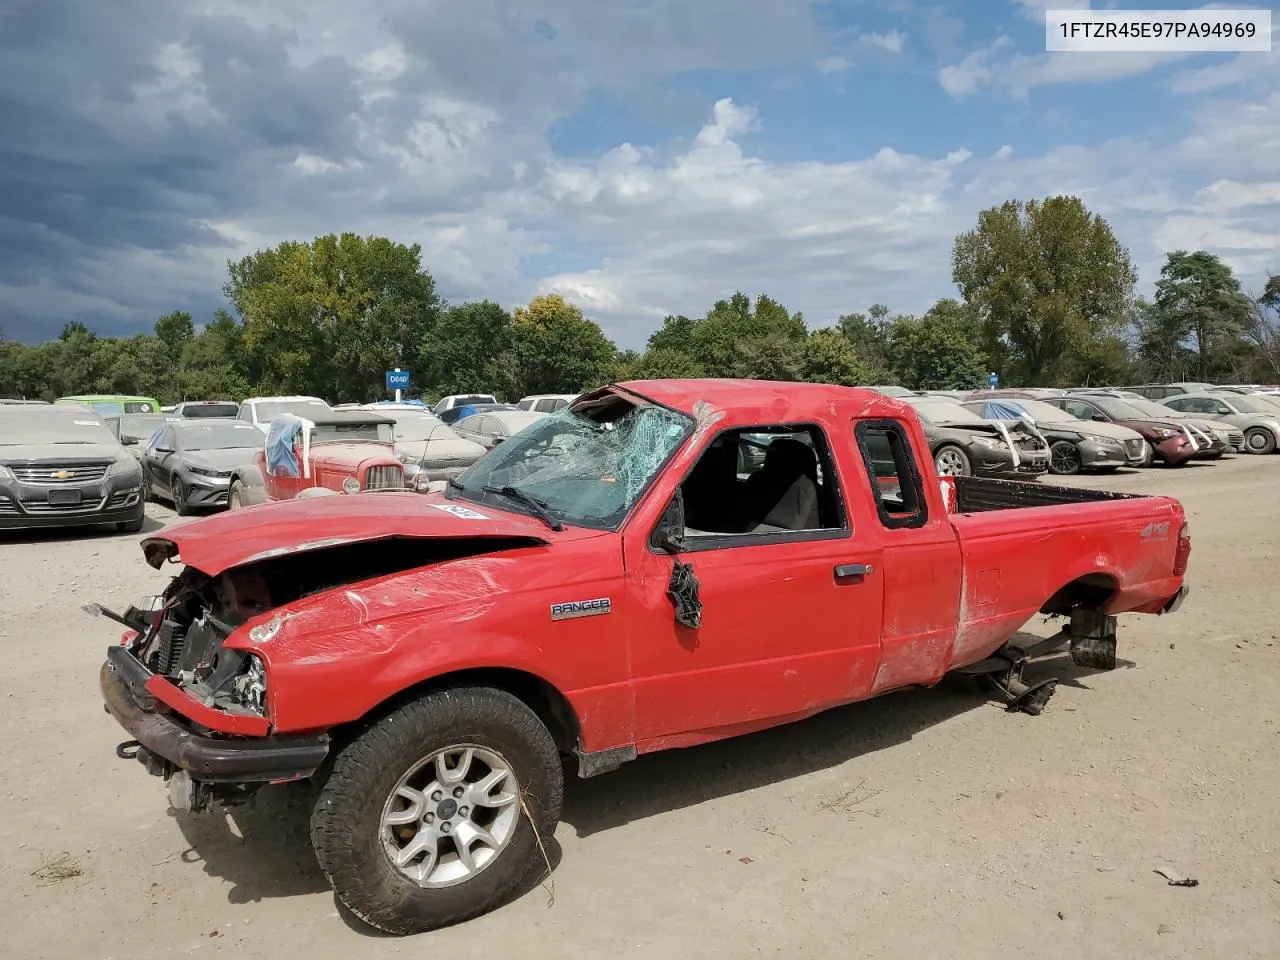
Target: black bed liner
x,y
978,494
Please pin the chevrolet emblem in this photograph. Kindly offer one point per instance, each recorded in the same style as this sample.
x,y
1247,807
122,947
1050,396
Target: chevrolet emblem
x,y
61,474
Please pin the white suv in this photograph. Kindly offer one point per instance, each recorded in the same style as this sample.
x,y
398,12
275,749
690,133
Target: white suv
x,y
461,400
547,402
260,411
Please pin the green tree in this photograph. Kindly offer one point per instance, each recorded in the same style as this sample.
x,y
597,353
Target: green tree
x,y
938,351
666,363
558,350
829,357
331,316
1200,299
471,347
676,333
1263,330
1046,278
1161,350
775,356
174,330
869,337
724,341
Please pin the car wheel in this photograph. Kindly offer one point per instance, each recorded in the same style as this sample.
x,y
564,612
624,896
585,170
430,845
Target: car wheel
x,y
134,525
235,496
1064,458
1259,440
440,811
180,505
951,461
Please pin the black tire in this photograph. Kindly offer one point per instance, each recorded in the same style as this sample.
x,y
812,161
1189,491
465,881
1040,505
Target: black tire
x,y
235,496
346,830
180,505
958,458
134,525
1064,458
1259,440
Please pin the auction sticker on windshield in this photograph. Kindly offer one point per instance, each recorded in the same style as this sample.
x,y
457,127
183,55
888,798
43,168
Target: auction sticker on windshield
x,y
457,511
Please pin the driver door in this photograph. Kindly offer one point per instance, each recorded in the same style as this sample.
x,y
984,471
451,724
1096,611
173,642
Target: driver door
x,y
155,460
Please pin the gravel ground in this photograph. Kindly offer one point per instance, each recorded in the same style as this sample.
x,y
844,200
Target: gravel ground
x,y
923,824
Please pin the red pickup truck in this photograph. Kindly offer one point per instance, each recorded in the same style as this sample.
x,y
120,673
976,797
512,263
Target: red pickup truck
x,y
618,579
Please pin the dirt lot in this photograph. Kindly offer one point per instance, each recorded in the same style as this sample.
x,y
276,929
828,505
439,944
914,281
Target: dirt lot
x,y
924,824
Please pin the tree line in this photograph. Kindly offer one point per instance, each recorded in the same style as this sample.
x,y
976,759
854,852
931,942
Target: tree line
x,y
1046,298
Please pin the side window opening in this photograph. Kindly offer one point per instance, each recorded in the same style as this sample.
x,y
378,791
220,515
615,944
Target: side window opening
x,y
763,480
892,473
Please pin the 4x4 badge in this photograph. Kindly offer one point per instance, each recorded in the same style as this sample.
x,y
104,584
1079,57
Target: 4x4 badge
x,y
581,608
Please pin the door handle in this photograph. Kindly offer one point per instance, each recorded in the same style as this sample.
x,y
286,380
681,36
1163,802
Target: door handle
x,y
852,571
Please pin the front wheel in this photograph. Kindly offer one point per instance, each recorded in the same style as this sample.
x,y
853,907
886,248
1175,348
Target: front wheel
x,y
235,496
951,461
440,811
1259,440
180,505
1064,458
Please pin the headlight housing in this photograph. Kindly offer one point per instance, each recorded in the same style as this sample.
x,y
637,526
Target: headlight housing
x,y
205,472
251,685
991,443
1164,433
1105,441
6,473
124,465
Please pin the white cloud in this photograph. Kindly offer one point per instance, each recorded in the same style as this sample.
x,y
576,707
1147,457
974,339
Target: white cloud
x,y
833,64
1004,153
1226,195
891,41
972,72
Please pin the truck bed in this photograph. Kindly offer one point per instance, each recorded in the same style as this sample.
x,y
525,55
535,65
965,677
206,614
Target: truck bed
x,y
980,495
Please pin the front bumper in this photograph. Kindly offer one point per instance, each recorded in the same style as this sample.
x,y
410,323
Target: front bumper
x,y
28,506
181,745
1099,456
1175,450
998,462
205,491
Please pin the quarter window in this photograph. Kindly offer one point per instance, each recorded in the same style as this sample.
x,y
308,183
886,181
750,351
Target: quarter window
x,y
894,478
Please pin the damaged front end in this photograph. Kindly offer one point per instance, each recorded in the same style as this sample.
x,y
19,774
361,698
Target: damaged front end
x,y
198,710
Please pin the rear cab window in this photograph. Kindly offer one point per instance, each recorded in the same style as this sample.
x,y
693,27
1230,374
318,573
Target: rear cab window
x,y
893,473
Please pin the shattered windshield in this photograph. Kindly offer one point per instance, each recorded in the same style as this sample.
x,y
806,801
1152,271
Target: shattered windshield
x,y
588,464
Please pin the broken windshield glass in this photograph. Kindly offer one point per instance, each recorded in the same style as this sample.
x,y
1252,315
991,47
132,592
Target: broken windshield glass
x,y
588,465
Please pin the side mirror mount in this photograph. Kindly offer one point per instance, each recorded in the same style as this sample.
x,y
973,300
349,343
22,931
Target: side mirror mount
x,y
668,535
163,449
129,441
1098,418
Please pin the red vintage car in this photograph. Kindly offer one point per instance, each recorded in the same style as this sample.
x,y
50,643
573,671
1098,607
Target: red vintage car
x,y
610,582
340,451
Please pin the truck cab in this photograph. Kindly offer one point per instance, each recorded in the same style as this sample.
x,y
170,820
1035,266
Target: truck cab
x,y
341,452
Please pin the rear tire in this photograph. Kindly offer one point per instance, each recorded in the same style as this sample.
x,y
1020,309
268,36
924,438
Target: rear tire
x,y
1064,458
354,842
1259,440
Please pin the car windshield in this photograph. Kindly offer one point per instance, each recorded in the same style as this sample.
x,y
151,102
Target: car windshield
x,y
1035,409
196,410
309,409
26,425
143,426
349,432
1119,409
464,399
415,428
589,464
219,436
943,411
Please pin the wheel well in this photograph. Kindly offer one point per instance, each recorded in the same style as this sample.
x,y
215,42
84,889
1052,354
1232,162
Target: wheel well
x,y
1091,592
550,705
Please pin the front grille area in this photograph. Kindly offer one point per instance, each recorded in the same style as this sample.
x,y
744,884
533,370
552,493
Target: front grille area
x,y
123,498
59,473
448,463
1236,439
384,478
7,507
1135,448
40,508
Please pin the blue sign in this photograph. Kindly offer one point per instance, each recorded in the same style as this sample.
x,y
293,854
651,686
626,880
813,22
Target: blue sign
x,y
993,380
397,379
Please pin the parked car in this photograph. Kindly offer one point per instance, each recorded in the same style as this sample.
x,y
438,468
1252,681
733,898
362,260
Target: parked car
x,y
1172,443
1158,391
1026,393
547,402
963,444
60,466
1073,446
454,414
432,660
260,411
1259,420
343,451
491,428
206,408
453,401
1232,437
891,390
135,429
433,448
107,405
191,462
23,403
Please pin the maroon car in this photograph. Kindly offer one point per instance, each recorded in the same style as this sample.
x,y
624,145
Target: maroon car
x,y
1171,442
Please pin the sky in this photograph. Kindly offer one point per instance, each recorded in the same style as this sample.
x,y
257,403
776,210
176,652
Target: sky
x,y
640,157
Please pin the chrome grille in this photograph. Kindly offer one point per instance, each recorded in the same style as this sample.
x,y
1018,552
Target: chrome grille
x,y
448,463
54,472
384,478
7,507
40,508
1135,449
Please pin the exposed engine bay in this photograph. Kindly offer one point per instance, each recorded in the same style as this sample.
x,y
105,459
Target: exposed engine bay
x,y
183,631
